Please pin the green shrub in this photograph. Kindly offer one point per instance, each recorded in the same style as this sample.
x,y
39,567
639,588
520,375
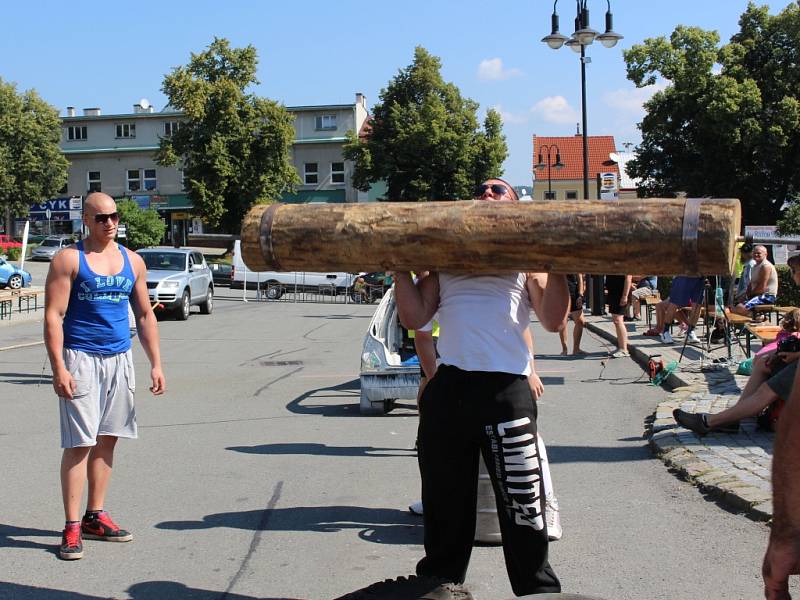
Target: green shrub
x,y
788,292
14,253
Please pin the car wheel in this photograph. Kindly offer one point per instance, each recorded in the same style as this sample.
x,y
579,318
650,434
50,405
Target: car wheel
x,y
207,306
15,282
186,305
274,291
374,407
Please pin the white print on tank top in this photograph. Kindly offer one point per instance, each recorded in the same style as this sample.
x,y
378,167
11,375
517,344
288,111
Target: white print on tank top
x,y
516,466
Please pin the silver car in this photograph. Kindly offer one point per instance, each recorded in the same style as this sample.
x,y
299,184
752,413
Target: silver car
x,y
49,246
177,279
385,377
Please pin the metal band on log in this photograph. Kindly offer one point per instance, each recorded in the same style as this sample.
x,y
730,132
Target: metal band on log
x,y
650,236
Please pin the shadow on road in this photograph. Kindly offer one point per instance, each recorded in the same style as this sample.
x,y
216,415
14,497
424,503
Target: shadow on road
x,y
593,454
26,378
322,450
9,532
146,590
377,525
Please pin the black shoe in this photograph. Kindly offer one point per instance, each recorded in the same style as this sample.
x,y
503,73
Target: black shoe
x,y
717,335
691,421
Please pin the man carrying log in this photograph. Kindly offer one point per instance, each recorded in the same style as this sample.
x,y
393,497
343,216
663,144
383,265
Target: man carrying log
x,y
479,402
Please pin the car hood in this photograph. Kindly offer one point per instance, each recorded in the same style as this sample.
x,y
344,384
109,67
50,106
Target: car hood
x,y
158,276
45,250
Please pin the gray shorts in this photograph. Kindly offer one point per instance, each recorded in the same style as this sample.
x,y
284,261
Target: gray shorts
x,y
103,400
781,382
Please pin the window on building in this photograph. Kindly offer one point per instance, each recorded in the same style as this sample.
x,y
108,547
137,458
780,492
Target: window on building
x,y
182,176
93,181
170,127
76,132
326,122
572,195
311,174
337,172
126,130
549,195
134,180
150,181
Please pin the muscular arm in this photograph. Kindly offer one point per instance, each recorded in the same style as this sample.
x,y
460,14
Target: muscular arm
x,y
56,299
416,304
146,323
426,351
549,298
783,553
626,289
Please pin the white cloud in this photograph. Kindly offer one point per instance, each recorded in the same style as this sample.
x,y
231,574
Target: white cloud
x,y
511,118
491,69
555,109
631,100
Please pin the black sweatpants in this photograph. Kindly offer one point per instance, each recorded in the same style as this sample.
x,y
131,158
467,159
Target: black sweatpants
x,y
464,414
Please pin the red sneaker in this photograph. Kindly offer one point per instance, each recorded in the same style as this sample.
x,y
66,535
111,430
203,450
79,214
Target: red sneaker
x,y
653,332
103,528
71,543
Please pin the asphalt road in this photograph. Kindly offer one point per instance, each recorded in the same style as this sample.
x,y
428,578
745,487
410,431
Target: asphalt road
x,y
256,477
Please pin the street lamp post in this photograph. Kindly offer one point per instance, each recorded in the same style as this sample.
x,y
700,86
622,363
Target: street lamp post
x,y
583,36
541,164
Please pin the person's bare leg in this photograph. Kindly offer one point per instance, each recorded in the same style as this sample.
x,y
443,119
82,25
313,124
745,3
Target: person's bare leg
x,y
740,309
73,476
669,315
637,308
622,333
562,335
577,333
101,462
747,406
759,374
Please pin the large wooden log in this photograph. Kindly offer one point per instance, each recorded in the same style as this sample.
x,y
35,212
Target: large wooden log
x,y
650,236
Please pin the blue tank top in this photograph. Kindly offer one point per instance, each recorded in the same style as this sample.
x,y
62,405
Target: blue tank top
x,y
97,314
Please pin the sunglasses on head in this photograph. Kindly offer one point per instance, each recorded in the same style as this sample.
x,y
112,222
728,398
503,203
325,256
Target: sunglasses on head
x,y
495,187
104,217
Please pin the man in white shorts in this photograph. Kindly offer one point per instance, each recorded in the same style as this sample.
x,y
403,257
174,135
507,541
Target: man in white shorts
x,y
88,339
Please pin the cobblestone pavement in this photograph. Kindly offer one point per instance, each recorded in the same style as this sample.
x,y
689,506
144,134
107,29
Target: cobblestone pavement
x,y
732,468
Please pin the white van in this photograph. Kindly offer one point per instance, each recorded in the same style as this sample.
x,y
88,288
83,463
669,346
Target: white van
x,y
277,283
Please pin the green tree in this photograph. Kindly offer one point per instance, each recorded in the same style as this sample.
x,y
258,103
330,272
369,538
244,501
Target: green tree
x,y
730,131
32,168
142,227
424,139
789,223
235,146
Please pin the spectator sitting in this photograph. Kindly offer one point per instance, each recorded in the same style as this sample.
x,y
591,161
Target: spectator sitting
x,y
772,377
684,291
360,290
646,285
746,253
763,286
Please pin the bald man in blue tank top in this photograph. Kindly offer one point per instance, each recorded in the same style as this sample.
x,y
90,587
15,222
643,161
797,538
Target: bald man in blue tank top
x,y
86,331
479,402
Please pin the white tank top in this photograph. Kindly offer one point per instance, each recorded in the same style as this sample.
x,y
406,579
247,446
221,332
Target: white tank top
x,y
772,282
482,320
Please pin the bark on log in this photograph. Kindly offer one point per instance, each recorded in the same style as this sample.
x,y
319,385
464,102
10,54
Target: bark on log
x,y
650,236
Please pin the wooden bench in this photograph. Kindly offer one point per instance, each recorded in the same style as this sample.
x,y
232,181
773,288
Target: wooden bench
x,y
6,303
766,334
649,303
764,309
26,296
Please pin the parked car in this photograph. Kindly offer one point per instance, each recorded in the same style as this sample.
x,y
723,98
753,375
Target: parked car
x,y
49,246
387,374
277,283
177,279
221,273
12,276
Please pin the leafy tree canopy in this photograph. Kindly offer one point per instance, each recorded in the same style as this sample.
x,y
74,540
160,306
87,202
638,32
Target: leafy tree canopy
x,y
32,168
424,139
235,146
143,227
728,122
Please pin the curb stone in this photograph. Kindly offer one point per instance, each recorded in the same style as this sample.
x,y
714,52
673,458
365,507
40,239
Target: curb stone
x,y
731,468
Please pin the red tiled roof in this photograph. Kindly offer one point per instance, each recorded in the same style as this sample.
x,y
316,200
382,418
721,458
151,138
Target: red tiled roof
x,y
571,149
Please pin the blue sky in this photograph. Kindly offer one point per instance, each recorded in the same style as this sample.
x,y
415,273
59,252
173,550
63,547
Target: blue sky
x,y
112,54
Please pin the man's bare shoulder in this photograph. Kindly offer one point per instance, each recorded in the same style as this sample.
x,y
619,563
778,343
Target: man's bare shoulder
x,y
65,261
